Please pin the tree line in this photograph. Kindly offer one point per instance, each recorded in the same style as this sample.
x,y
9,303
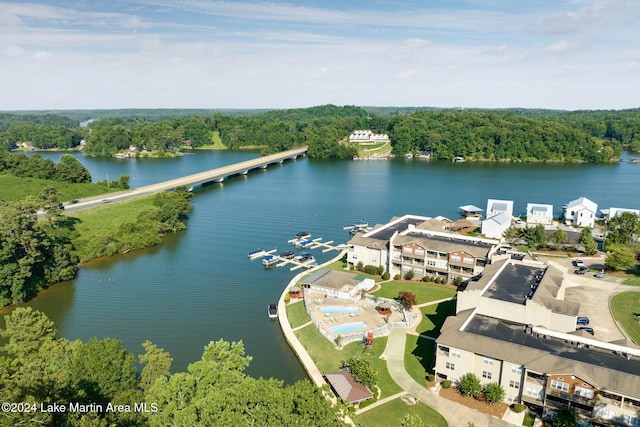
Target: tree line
x,y
98,384
518,135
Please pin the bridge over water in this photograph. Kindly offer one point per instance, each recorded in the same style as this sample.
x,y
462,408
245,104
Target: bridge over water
x,y
191,181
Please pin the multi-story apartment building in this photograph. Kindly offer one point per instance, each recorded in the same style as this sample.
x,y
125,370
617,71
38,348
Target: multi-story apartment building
x,y
422,245
513,327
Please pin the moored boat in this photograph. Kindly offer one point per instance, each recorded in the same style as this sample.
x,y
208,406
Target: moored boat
x,y
270,260
257,253
272,311
303,235
287,255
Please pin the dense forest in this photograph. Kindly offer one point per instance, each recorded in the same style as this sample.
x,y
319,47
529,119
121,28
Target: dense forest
x,y
494,135
97,383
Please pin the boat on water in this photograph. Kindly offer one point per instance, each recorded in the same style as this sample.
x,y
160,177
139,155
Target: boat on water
x,y
303,235
356,230
305,258
270,260
257,253
272,311
287,255
304,243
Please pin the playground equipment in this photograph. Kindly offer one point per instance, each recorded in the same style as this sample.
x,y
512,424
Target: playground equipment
x,y
367,342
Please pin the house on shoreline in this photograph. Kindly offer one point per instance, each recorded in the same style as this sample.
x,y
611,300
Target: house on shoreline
x,y
368,137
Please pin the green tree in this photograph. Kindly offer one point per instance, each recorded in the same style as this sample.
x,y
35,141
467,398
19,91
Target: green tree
x,y
494,393
565,416
157,364
622,228
560,237
621,259
26,331
589,245
409,274
535,237
69,169
470,384
362,370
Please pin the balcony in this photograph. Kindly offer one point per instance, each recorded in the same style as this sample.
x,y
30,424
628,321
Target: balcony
x,y
586,401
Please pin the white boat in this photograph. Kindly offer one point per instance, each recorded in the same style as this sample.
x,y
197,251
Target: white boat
x,y
257,253
272,311
304,243
270,260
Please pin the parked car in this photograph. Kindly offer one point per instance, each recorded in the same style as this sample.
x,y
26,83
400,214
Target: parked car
x,y
589,330
582,320
579,262
582,270
600,274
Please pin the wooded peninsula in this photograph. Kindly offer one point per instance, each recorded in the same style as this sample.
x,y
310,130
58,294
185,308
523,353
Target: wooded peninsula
x,y
490,135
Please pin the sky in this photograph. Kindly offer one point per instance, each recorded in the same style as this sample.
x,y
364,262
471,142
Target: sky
x,y
95,54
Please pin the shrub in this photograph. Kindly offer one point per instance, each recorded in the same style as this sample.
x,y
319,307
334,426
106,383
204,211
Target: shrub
x,y
409,275
518,407
380,270
431,377
287,297
446,384
371,269
359,266
386,275
396,277
459,281
470,384
494,393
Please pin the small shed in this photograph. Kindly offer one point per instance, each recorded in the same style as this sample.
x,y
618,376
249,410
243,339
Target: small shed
x,y
347,388
295,292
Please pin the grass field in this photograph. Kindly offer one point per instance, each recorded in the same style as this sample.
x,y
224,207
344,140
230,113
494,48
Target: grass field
x,y
328,358
297,314
433,316
424,292
392,413
625,307
13,188
418,357
93,224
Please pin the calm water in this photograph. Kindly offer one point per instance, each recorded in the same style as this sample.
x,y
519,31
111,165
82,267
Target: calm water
x,y
199,285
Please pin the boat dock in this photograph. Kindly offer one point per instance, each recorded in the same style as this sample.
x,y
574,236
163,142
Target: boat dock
x,y
303,260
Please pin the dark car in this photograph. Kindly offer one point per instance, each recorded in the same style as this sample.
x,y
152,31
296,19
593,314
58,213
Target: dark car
x,y
589,330
581,270
582,320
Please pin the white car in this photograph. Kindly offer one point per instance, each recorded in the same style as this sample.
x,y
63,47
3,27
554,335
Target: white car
x,y
579,262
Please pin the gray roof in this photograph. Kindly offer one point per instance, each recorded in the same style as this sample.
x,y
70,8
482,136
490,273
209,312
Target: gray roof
x,y
507,341
502,207
332,279
500,218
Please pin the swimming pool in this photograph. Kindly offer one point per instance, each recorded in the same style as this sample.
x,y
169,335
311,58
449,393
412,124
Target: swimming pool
x,y
339,310
347,327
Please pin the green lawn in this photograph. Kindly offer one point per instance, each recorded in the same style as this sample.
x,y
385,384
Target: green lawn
x,y
328,359
632,280
297,314
392,413
418,357
433,316
424,292
528,420
625,307
13,188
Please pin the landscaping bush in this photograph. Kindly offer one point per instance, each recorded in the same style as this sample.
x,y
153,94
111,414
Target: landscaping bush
x,y
494,393
287,297
446,384
396,277
371,269
518,407
386,275
470,384
359,266
380,270
431,378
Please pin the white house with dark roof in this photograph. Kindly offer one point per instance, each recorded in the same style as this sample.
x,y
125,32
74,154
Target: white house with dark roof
x,y
580,212
539,214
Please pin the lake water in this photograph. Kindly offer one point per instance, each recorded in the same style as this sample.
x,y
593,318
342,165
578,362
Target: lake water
x,y
200,286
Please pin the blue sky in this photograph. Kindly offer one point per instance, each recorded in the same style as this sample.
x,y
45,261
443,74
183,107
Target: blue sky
x,y
565,54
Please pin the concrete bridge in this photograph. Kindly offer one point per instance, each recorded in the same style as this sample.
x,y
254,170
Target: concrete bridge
x,y
191,181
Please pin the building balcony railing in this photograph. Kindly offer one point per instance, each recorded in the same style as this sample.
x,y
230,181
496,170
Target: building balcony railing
x,y
570,396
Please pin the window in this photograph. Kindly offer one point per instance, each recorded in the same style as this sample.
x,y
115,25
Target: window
x,y
455,258
516,369
511,399
632,421
558,385
431,263
488,361
514,384
584,392
468,260
534,392
456,353
374,260
419,251
450,365
486,374
605,413
407,250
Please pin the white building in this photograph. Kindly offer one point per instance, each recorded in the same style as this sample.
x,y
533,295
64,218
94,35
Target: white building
x,y
495,226
580,212
614,212
539,214
495,207
368,137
